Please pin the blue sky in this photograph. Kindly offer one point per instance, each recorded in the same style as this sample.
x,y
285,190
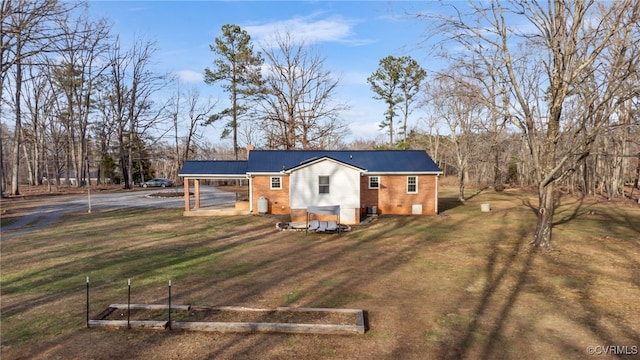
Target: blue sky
x,y
352,36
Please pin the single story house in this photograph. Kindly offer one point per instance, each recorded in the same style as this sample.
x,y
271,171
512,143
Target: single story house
x,y
361,182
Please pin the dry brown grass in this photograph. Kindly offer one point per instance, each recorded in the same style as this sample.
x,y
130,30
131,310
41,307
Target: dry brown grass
x,y
464,285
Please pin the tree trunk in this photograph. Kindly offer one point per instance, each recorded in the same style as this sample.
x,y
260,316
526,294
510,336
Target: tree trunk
x,y
1,161
497,180
461,179
390,126
17,132
291,132
234,120
48,171
636,184
30,171
128,184
404,125
545,216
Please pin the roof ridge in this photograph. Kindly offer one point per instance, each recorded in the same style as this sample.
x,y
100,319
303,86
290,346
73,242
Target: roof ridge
x,y
213,160
357,150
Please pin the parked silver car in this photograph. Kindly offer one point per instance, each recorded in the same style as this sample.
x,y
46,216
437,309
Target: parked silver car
x,y
157,182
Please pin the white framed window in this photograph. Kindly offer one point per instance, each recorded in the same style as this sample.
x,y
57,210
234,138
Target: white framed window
x,y
323,184
374,182
412,184
276,183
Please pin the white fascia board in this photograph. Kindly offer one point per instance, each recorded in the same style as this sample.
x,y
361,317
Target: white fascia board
x,y
279,173
405,173
324,158
213,176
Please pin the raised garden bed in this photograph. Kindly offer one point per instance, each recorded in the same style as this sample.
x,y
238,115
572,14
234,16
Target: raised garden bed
x,y
233,319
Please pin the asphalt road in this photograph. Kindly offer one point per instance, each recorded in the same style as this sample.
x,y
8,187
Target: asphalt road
x,y
53,209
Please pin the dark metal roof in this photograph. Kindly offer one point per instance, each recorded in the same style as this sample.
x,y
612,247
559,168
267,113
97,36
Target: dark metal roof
x,y
315,159
204,168
274,161
383,161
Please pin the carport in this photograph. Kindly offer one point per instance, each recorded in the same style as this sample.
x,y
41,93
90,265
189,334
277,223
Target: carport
x,y
197,171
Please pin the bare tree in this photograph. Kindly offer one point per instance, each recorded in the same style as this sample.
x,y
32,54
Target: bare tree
x,y
298,105
461,112
608,92
132,85
485,86
104,128
188,111
491,91
547,60
40,102
28,28
81,61
117,98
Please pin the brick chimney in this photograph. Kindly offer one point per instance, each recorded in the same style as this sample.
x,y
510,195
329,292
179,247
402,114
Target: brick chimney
x,y
249,148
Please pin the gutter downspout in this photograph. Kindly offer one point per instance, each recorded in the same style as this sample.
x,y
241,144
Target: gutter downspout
x,y
250,193
436,202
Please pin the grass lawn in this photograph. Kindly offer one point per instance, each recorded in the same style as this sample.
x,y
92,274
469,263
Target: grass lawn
x,y
462,285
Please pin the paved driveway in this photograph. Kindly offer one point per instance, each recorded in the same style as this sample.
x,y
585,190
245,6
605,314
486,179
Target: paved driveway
x,y
53,209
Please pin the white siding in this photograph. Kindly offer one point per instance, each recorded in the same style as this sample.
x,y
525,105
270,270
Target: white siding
x,y
344,188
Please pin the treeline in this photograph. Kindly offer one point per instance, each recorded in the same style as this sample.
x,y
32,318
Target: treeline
x,y
564,73
79,107
78,102
613,165
553,109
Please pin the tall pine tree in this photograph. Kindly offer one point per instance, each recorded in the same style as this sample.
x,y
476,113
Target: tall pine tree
x,y
396,81
239,68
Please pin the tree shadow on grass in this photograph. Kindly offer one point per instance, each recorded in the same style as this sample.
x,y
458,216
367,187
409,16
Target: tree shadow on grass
x,y
607,322
452,202
505,275
448,203
235,277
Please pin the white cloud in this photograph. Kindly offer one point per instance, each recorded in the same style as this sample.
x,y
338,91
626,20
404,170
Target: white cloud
x,y
358,78
309,29
365,130
189,76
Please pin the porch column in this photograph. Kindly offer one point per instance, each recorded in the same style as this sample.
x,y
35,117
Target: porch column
x,y
187,203
196,193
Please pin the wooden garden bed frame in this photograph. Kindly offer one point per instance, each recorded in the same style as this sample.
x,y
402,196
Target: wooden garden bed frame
x,y
231,327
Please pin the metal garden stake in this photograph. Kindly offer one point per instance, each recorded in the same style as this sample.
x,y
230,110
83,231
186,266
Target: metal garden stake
x,y
87,302
129,305
169,304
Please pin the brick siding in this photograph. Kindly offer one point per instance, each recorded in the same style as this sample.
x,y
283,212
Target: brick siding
x,y
278,199
394,199
368,197
391,198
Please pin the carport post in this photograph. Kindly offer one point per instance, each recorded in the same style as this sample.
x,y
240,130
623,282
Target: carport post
x,y
187,204
196,193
